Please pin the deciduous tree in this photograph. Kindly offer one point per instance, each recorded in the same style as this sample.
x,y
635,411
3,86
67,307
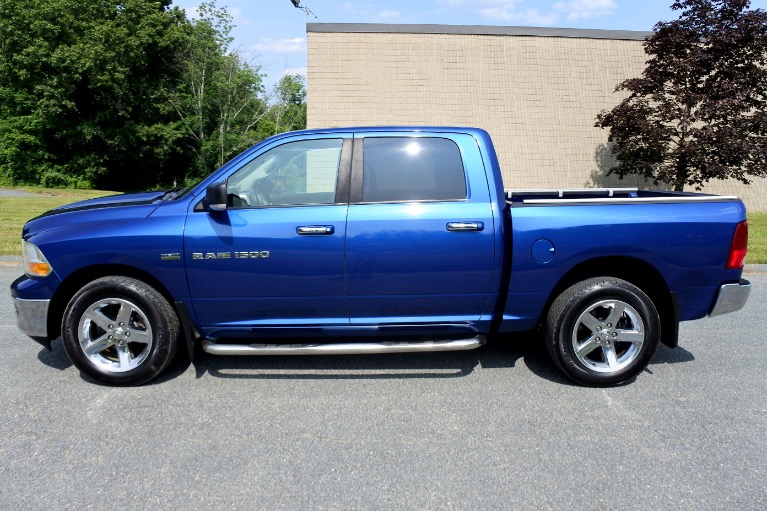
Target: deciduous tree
x,y
698,111
287,109
218,96
80,101
128,94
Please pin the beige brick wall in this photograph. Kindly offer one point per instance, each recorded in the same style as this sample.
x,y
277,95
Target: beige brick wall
x,y
322,169
537,96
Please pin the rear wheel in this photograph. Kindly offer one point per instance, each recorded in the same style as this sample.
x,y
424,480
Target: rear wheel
x,y
602,331
120,331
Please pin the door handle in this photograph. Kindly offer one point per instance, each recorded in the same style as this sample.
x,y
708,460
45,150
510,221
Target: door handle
x,y
315,230
465,226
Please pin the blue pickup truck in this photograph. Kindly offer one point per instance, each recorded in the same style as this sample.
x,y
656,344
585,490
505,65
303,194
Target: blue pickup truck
x,y
376,240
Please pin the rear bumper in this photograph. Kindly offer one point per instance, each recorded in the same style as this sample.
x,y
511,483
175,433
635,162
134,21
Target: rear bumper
x,y
731,298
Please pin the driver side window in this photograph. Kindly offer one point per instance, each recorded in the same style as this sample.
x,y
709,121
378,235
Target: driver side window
x,y
296,173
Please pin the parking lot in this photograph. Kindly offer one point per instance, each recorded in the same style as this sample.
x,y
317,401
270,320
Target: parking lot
x,y
495,428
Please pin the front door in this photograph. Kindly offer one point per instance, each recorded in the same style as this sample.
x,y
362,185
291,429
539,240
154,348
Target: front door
x,y
275,257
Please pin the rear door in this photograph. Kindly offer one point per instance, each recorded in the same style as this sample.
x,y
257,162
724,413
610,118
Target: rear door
x,y
420,244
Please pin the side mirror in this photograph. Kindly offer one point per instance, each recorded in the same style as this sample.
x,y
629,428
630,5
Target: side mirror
x,y
215,197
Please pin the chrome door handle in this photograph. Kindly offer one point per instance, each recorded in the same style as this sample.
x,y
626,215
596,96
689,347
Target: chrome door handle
x,y
465,226
315,230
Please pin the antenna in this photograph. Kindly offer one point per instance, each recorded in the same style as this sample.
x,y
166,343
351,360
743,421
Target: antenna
x,y
297,5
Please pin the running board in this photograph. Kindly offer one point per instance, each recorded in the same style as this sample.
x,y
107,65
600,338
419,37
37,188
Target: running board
x,y
351,348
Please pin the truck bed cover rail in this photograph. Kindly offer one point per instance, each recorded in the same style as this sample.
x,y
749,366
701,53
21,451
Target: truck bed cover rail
x,y
538,197
564,192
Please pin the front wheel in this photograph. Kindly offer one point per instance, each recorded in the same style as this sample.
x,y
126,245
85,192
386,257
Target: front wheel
x,y
120,331
602,331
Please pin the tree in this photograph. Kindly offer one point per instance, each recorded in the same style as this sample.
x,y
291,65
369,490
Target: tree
x,y
80,101
218,95
127,94
79,97
698,111
287,110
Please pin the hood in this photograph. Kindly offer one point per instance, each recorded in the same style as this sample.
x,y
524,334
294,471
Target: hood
x,y
111,210
128,199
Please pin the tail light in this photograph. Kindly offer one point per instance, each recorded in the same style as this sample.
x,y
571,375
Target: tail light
x,y
739,247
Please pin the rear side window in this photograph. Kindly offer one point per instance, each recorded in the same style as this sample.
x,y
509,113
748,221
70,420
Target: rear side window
x,y
410,168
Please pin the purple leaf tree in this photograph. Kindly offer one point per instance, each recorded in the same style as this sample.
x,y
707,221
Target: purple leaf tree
x,y
697,112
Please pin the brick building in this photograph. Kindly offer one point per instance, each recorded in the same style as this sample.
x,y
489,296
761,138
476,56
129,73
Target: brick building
x,y
536,90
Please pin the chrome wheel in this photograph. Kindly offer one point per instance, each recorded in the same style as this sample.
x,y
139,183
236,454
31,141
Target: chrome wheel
x,y
608,336
120,330
115,335
602,331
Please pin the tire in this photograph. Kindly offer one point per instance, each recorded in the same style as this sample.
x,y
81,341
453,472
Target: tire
x,y
602,331
120,331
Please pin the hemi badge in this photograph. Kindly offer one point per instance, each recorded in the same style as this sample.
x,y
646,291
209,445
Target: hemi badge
x,y
170,257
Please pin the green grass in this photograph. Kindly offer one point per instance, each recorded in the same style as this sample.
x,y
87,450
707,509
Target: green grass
x,y
757,238
15,211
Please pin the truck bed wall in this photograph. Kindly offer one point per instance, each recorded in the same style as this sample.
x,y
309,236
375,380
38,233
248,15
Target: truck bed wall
x,y
687,242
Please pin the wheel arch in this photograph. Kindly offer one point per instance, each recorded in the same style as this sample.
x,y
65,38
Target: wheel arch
x,y
75,281
639,273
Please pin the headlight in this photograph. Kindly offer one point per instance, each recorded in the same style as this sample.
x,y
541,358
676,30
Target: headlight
x,y
35,263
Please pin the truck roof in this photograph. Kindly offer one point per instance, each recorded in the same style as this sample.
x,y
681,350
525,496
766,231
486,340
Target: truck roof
x,y
477,132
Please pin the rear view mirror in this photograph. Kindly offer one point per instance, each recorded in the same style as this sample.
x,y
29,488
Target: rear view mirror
x,y
215,197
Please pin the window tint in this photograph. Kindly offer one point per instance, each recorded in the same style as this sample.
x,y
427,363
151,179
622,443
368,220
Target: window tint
x,y
405,169
303,172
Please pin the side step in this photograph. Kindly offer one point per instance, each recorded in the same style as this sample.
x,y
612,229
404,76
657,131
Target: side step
x,y
351,348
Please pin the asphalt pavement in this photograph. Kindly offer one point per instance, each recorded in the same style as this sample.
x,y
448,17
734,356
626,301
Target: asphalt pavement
x,y
494,428
5,192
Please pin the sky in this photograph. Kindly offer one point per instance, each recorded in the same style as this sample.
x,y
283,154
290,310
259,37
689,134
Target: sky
x,y
271,34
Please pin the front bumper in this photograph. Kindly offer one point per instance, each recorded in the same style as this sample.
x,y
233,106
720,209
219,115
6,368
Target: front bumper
x,y
32,318
731,298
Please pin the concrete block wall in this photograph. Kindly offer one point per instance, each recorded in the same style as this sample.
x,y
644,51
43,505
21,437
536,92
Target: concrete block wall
x,y
536,91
